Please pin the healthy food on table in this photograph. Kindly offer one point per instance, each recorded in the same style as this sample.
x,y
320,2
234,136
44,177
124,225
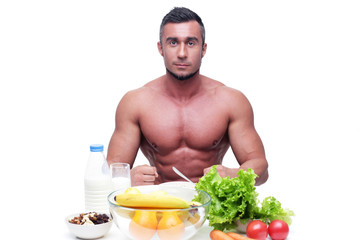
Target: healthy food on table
x,y
90,218
220,235
278,230
257,230
145,214
234,199
132,197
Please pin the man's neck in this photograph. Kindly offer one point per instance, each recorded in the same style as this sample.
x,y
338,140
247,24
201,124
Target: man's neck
x,y
182,91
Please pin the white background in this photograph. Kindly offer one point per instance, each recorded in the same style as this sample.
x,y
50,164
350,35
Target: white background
x,y
64,66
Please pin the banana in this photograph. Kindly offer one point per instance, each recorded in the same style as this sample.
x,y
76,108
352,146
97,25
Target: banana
x,y
151,200
132,190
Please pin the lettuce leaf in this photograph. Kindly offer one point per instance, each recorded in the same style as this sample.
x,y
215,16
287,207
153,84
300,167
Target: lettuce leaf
x,y
236,199
231,199
271,209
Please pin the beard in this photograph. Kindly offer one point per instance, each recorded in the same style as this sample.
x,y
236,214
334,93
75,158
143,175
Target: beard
x,y
184,77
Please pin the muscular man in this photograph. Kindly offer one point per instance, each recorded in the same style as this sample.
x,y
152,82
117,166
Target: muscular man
x,y
185,119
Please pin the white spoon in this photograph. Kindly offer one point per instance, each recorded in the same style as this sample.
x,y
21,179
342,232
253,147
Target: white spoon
x,y
181,175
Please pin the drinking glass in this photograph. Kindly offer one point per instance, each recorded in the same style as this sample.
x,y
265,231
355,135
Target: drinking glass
x,y
120,176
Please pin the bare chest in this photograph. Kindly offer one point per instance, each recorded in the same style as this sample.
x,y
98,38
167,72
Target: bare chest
x,y
199,125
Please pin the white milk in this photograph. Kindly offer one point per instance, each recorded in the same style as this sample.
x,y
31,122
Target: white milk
x,y
97,180
120,183
96,193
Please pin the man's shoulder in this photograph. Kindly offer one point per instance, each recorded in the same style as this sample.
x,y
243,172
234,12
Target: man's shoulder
x,y
220,87
231,99
142,93
228,92
231,92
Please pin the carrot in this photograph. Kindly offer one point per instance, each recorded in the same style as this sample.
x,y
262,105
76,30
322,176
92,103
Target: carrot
x,y
219,235
237,236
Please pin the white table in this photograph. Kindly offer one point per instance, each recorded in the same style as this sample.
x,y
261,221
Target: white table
x,y
115,233
202,234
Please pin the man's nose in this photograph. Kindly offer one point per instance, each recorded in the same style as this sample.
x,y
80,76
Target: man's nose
x,y
182,51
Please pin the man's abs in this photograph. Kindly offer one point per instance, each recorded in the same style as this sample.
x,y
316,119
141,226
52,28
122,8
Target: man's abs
x,y
189,161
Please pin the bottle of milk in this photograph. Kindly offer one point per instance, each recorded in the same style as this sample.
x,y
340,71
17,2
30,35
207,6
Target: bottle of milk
x,y
97,180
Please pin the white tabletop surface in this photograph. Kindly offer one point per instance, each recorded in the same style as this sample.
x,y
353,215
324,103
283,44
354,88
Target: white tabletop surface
x,y
203,233
115,233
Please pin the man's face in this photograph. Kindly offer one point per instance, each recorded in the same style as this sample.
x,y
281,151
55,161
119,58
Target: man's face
x,y
182,48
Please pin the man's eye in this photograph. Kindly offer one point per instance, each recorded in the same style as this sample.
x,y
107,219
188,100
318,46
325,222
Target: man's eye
x,y
173,43
191,43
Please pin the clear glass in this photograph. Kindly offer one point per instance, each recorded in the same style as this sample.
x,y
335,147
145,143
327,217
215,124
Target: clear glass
x,y
120,176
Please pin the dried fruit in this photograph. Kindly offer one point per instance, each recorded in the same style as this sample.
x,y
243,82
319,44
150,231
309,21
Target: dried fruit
x,y
94,217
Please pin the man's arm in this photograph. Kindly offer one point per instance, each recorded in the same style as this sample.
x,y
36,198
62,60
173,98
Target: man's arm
x,y
125,141
244,140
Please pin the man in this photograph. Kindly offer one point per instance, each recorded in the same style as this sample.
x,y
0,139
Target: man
x,y
185,119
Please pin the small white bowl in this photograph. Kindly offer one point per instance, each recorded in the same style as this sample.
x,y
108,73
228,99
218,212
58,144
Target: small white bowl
x,y
87,231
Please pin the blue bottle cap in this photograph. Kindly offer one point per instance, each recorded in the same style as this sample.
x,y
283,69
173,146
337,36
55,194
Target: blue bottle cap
x,y
96,147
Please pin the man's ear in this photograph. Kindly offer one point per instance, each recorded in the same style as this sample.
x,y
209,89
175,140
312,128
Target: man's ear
x,y
203,50
160,49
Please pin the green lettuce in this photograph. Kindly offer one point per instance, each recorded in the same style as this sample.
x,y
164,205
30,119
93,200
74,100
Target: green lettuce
x,y
236,199
271,209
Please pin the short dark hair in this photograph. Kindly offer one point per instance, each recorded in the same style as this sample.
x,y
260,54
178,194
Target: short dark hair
x,y
180,15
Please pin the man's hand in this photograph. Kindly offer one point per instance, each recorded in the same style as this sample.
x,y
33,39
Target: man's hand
x,y
143,175
224,171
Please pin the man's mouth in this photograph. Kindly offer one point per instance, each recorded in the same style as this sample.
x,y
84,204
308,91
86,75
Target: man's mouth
x,y
182,64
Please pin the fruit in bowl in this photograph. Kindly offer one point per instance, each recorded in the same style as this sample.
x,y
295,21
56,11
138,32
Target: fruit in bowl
x,y
159,211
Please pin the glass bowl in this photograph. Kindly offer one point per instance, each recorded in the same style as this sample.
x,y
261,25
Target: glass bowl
x,y
162,224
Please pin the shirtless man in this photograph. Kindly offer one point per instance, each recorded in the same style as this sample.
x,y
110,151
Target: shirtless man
x,y
185,119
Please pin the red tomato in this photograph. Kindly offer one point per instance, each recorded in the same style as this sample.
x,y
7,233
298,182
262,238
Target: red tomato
x,y
278,230
257,230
